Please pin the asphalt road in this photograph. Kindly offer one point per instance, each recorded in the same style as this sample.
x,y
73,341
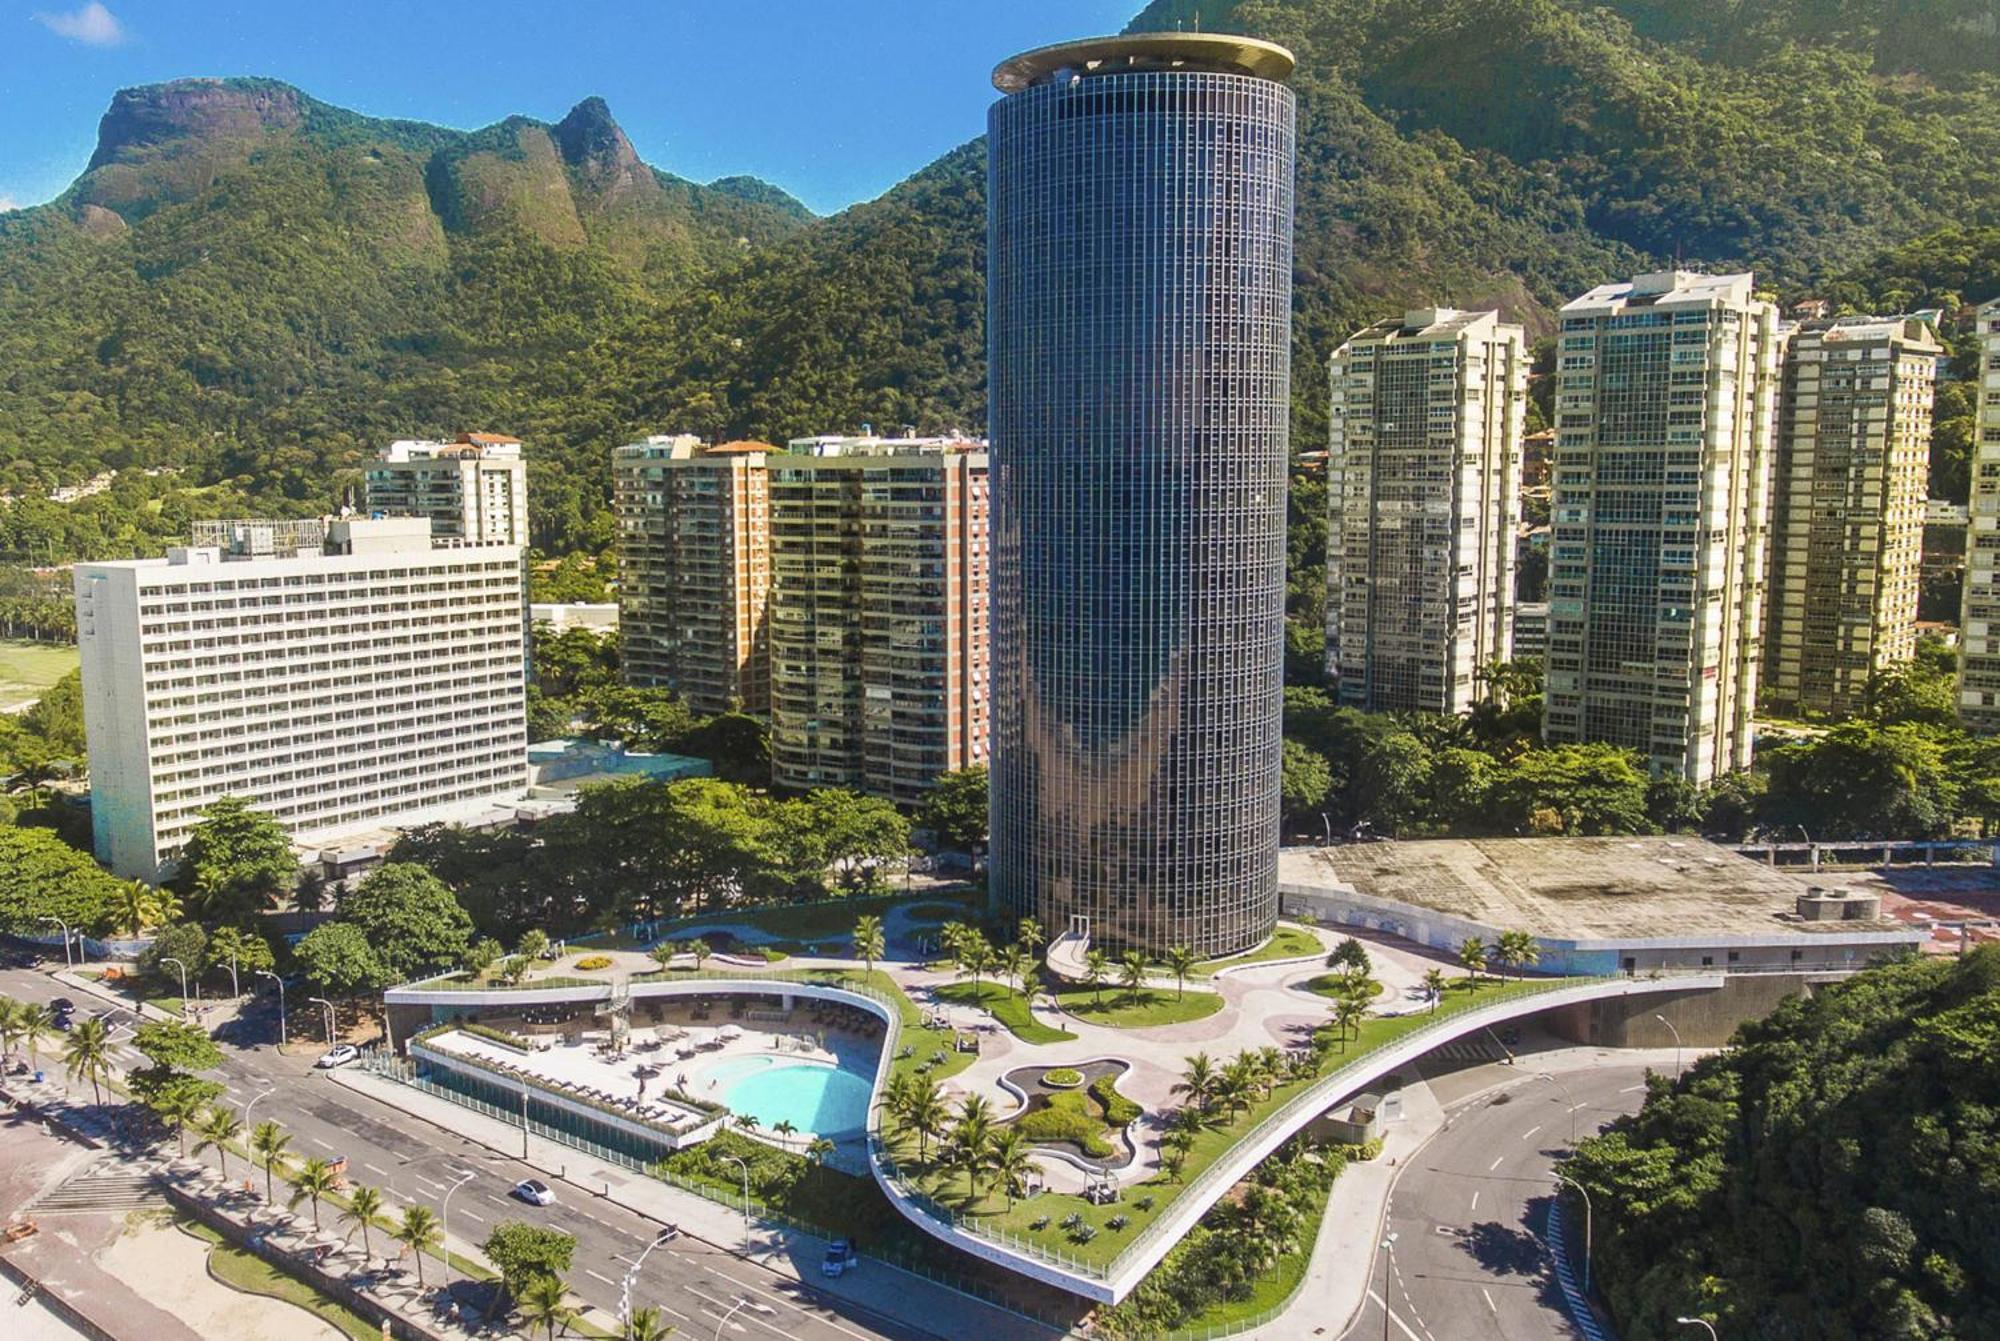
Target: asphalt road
x,y
1469,1213
694,1284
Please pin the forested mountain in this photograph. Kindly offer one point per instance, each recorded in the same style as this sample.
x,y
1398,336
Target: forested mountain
x,y
259,288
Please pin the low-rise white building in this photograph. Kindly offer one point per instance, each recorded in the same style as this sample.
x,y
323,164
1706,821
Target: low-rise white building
x,y
371,680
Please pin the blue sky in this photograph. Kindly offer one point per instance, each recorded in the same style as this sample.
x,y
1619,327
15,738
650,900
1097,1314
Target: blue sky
x,y
834,100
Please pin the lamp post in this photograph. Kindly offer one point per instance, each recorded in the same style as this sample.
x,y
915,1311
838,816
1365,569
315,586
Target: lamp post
x,y
746,1196
1698,1322
738,1308
1561,1178
67,961
1326,827
322,1001
268,1089
266,973
1568,1098
180,964
625,1290
1388,1258
235,988
444,1228
1677,1041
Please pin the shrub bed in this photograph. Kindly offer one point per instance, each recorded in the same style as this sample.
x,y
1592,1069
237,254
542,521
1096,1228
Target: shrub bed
x,y
500,1036
1119,1111
591,963
1066,1119
1062,1078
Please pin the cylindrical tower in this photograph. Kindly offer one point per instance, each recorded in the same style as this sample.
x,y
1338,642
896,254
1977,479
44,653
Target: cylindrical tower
x,y
1139,287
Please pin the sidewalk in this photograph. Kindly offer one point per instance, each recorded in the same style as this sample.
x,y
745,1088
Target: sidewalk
x,y
895,1294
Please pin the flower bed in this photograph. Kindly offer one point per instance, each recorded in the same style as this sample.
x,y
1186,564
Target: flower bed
x,y
1062,1078
592,963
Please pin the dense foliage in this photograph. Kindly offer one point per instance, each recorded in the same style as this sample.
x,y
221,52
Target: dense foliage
x,y
1831,1176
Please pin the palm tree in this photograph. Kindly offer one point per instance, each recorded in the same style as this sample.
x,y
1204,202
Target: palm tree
x,y
869,941
699,949
1517,950
133,907
315,1179
1007,1156
817,1149
267,1143
418,1232
1029,932
646,1326
783,1129
87,1055
1180,961
951,939
977,956
969,1138
10,1023
1198,1082
1347,1011
1012,965
37,1027
926,1115
178,1106
1472,956
1237,1083
218,1128
1434,984
1095,969
747,1121
1132,973
541,1303
364,1203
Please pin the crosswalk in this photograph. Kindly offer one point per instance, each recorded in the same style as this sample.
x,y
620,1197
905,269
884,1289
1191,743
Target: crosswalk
x,y
1464,1052
92,1192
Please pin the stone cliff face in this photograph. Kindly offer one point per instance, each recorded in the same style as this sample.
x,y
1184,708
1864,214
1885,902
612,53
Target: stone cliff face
x,y
210,110
597,150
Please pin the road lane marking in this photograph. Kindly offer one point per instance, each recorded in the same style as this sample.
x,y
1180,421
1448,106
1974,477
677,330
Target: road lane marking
x,y
606,1279
377,1170
1475,1201
1632,1089
471,1214
1489,1301
321,1144
1497,1160
1530,1131
1383,1305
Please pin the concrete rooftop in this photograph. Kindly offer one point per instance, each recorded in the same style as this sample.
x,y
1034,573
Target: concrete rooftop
x,y
1583,888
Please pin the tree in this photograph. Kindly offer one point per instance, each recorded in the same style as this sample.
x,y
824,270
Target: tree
x,y
1198,1082
977,956
134,908
868,940
36,1026
954,809
646,1326
177,1106
87,1055
926,1114
1029,932
269,1143
337,958
1007,1158
1348,1008
1434,984
699,949
1860,780
1594,789
541,1303
186,943
1096,967
314,1179
1351,955
239,953
236,861
1306,780
1132,973
1181,961
1472,956
817,1149
411,918
530,946
736,744
1011,963
418,1231
1517,950
784,1129
364,1203
42,877
857,833
176,1050
524,1253
969,1138
219,1126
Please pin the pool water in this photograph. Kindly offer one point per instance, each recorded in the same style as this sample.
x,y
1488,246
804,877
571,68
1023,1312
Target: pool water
x,y
824,1100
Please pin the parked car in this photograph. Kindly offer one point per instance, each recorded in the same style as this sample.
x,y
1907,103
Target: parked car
x,y
840,1258
338,1055
62,1005
535,1192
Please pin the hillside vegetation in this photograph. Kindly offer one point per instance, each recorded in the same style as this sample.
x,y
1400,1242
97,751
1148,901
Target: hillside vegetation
x,y
1830,1177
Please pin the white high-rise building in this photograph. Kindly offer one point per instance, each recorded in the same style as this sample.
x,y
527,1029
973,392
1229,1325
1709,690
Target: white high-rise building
x,y
1979,655
474,489
1666,413
1423,498
358,682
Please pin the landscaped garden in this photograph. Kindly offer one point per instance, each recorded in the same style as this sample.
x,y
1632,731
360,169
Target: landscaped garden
x,y
1004,1004
1134,1007
1287,942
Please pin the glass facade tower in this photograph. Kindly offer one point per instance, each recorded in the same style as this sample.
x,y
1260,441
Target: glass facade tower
x,y
1139,326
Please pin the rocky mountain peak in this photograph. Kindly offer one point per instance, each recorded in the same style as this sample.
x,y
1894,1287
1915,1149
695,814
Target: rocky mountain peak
x,y
194,109
591,140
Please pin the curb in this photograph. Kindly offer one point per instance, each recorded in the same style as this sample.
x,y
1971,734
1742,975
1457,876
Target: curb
x,y
1579,1307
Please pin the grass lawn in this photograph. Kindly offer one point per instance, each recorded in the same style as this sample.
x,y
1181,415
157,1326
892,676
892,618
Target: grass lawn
x,y
251,1274
989,1212
1285,943
27,669
1272,1288
1328,985
1123,1009
1007,1006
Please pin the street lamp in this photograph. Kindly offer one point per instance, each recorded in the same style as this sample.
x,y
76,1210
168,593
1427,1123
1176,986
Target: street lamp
x,y
1698,1322
322,1001
625,1290
1388,1257
68,963
746,1196
1561,1178
444,1229
1568,1098
180,964
1677,1041
268,1089
740,1302
266,973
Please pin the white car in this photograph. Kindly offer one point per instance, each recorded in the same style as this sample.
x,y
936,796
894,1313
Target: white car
x,y
535,1192
340,1055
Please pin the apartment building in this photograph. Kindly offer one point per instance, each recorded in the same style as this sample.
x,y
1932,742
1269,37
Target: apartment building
x,y
694,569
474,489
878,562
1531,632
1847,508
1979,657
1423,498
342,678
1666,417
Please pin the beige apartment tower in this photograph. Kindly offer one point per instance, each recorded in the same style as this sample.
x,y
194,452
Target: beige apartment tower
x,y
1979,629
694,570
1423,494
1666,417
474,489
878,613
1847,508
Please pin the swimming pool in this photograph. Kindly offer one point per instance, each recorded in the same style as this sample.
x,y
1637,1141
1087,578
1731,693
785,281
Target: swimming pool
x,y
824,1100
